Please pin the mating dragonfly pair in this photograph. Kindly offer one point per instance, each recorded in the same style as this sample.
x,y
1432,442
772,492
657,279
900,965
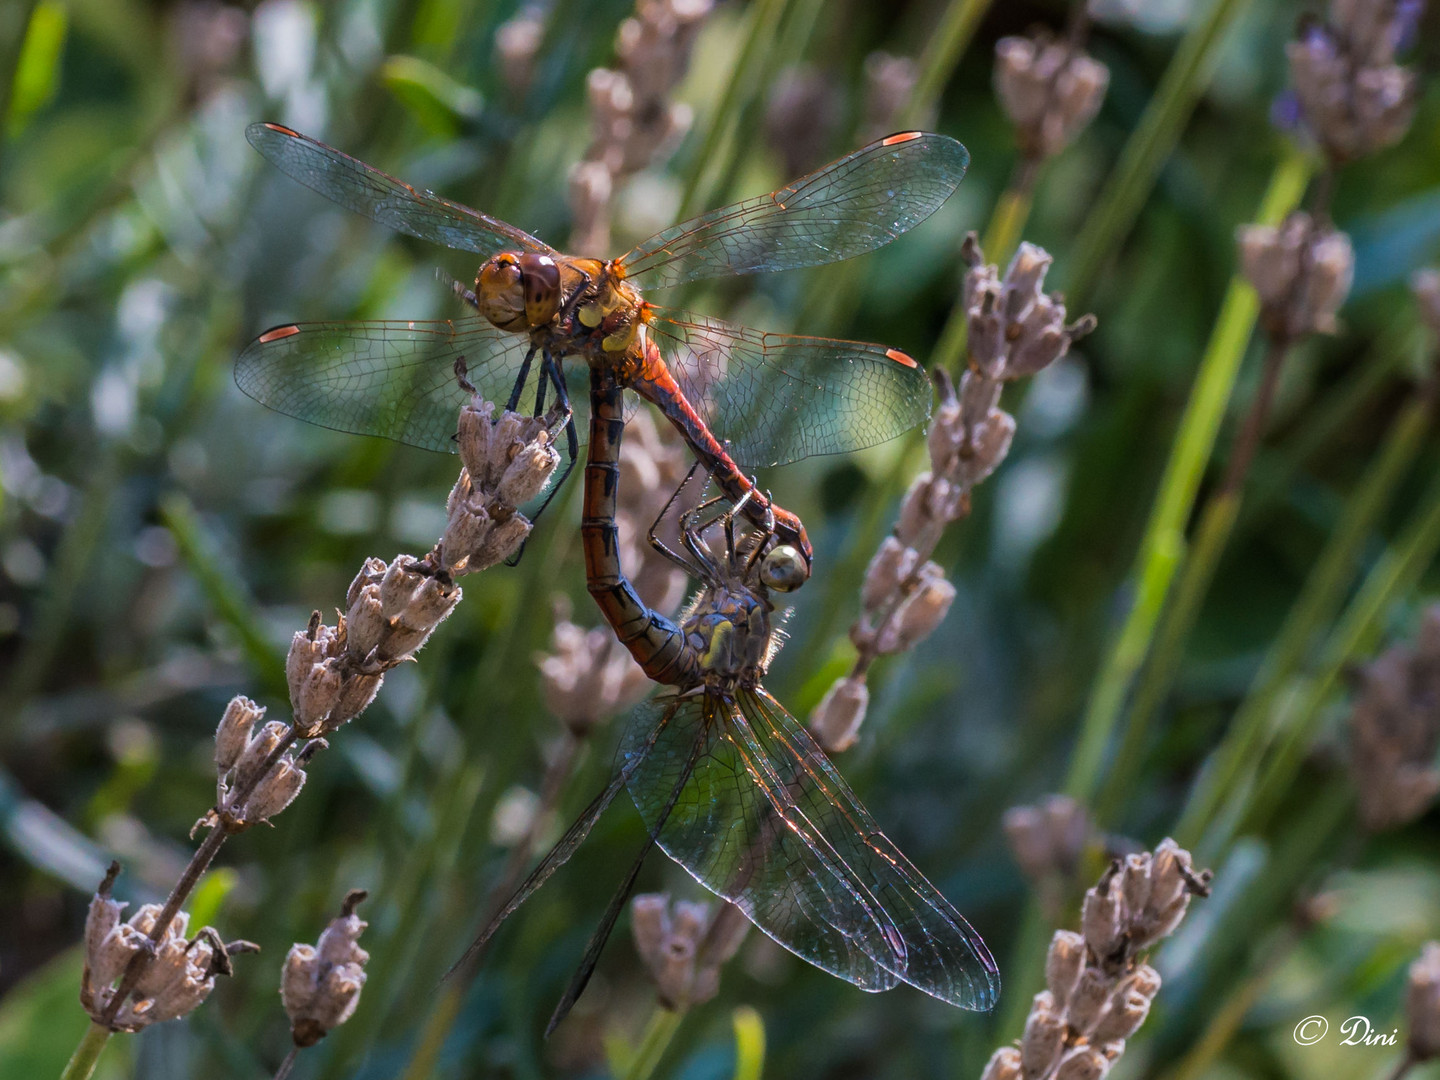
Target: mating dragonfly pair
x,y
730,785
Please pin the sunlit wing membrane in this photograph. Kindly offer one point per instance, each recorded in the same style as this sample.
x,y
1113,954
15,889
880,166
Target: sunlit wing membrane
x,y
940,954
393,379
724,831
393,203
851,206
776,398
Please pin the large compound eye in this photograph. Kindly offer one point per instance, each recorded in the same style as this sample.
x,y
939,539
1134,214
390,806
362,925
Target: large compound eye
x,y
500,293
783,569
541,278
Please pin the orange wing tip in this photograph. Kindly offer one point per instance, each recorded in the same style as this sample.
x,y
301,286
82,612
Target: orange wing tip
x,y
894,354
283,130
281,332
902,137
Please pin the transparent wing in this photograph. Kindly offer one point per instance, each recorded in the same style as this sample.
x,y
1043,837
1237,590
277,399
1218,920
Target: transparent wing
x,y
392,379
725,832
775,398
393,203
849,207
938,951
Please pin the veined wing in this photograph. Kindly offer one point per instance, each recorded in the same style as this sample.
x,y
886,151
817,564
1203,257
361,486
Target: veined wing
x,y
394,379
725,832
936,948
851,206
777,398
393,203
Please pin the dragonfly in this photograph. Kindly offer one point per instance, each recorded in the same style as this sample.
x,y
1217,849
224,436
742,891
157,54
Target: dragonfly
x,y
731,786
742,399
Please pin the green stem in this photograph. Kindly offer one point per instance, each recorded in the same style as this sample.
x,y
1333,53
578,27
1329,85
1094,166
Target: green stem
x,y
1154,137
749,1043
663,1025
81,1065
760,36
1163,545
941,54
1314,609
1217,524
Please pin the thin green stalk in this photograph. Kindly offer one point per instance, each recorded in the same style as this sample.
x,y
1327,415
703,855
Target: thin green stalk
x,y
1149,145
1320,599
760,36
1163,546
749,1043
942,53
1217,524
1356,635
81,1065
663,1025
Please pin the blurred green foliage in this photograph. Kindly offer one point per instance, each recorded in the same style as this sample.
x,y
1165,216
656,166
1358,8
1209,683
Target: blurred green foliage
x,y
161,536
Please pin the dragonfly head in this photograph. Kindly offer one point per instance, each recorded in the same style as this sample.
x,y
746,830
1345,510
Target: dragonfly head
x,y
784,569
518,292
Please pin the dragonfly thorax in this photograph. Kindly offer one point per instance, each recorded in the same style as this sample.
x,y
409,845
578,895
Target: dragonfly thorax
x,y
730,630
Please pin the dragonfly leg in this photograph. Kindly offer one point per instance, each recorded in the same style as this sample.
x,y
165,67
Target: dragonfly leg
x,y
676,557
520,380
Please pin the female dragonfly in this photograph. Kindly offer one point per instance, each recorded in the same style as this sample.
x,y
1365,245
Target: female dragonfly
x,y
741,398
732,787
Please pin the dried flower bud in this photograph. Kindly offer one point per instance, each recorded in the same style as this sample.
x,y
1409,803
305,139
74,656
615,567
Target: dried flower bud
x,y
1015,328
275,792
1352,103
175,980
1047,839
257,751
241,715
517,42
1044,1037
1135,882
1394,731
836,721
926,508
529,471
1088,1002
1082,1063
889,83
315,694
921,612
892,564
667,938
1302,272
1126,1012
588,677
801,114
1063,964
1004,1064
320,985
1422,1003
1425,285
1049,90
1100,917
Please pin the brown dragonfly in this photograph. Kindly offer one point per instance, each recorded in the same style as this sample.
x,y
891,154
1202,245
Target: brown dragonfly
x,y
741,398
730,785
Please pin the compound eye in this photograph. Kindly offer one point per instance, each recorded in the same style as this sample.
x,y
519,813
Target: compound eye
x,y
541,276
783,569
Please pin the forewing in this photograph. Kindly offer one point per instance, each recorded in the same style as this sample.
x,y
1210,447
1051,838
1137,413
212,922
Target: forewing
x,y
938,951
777,398
394,379
393,203
851,206
725,832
